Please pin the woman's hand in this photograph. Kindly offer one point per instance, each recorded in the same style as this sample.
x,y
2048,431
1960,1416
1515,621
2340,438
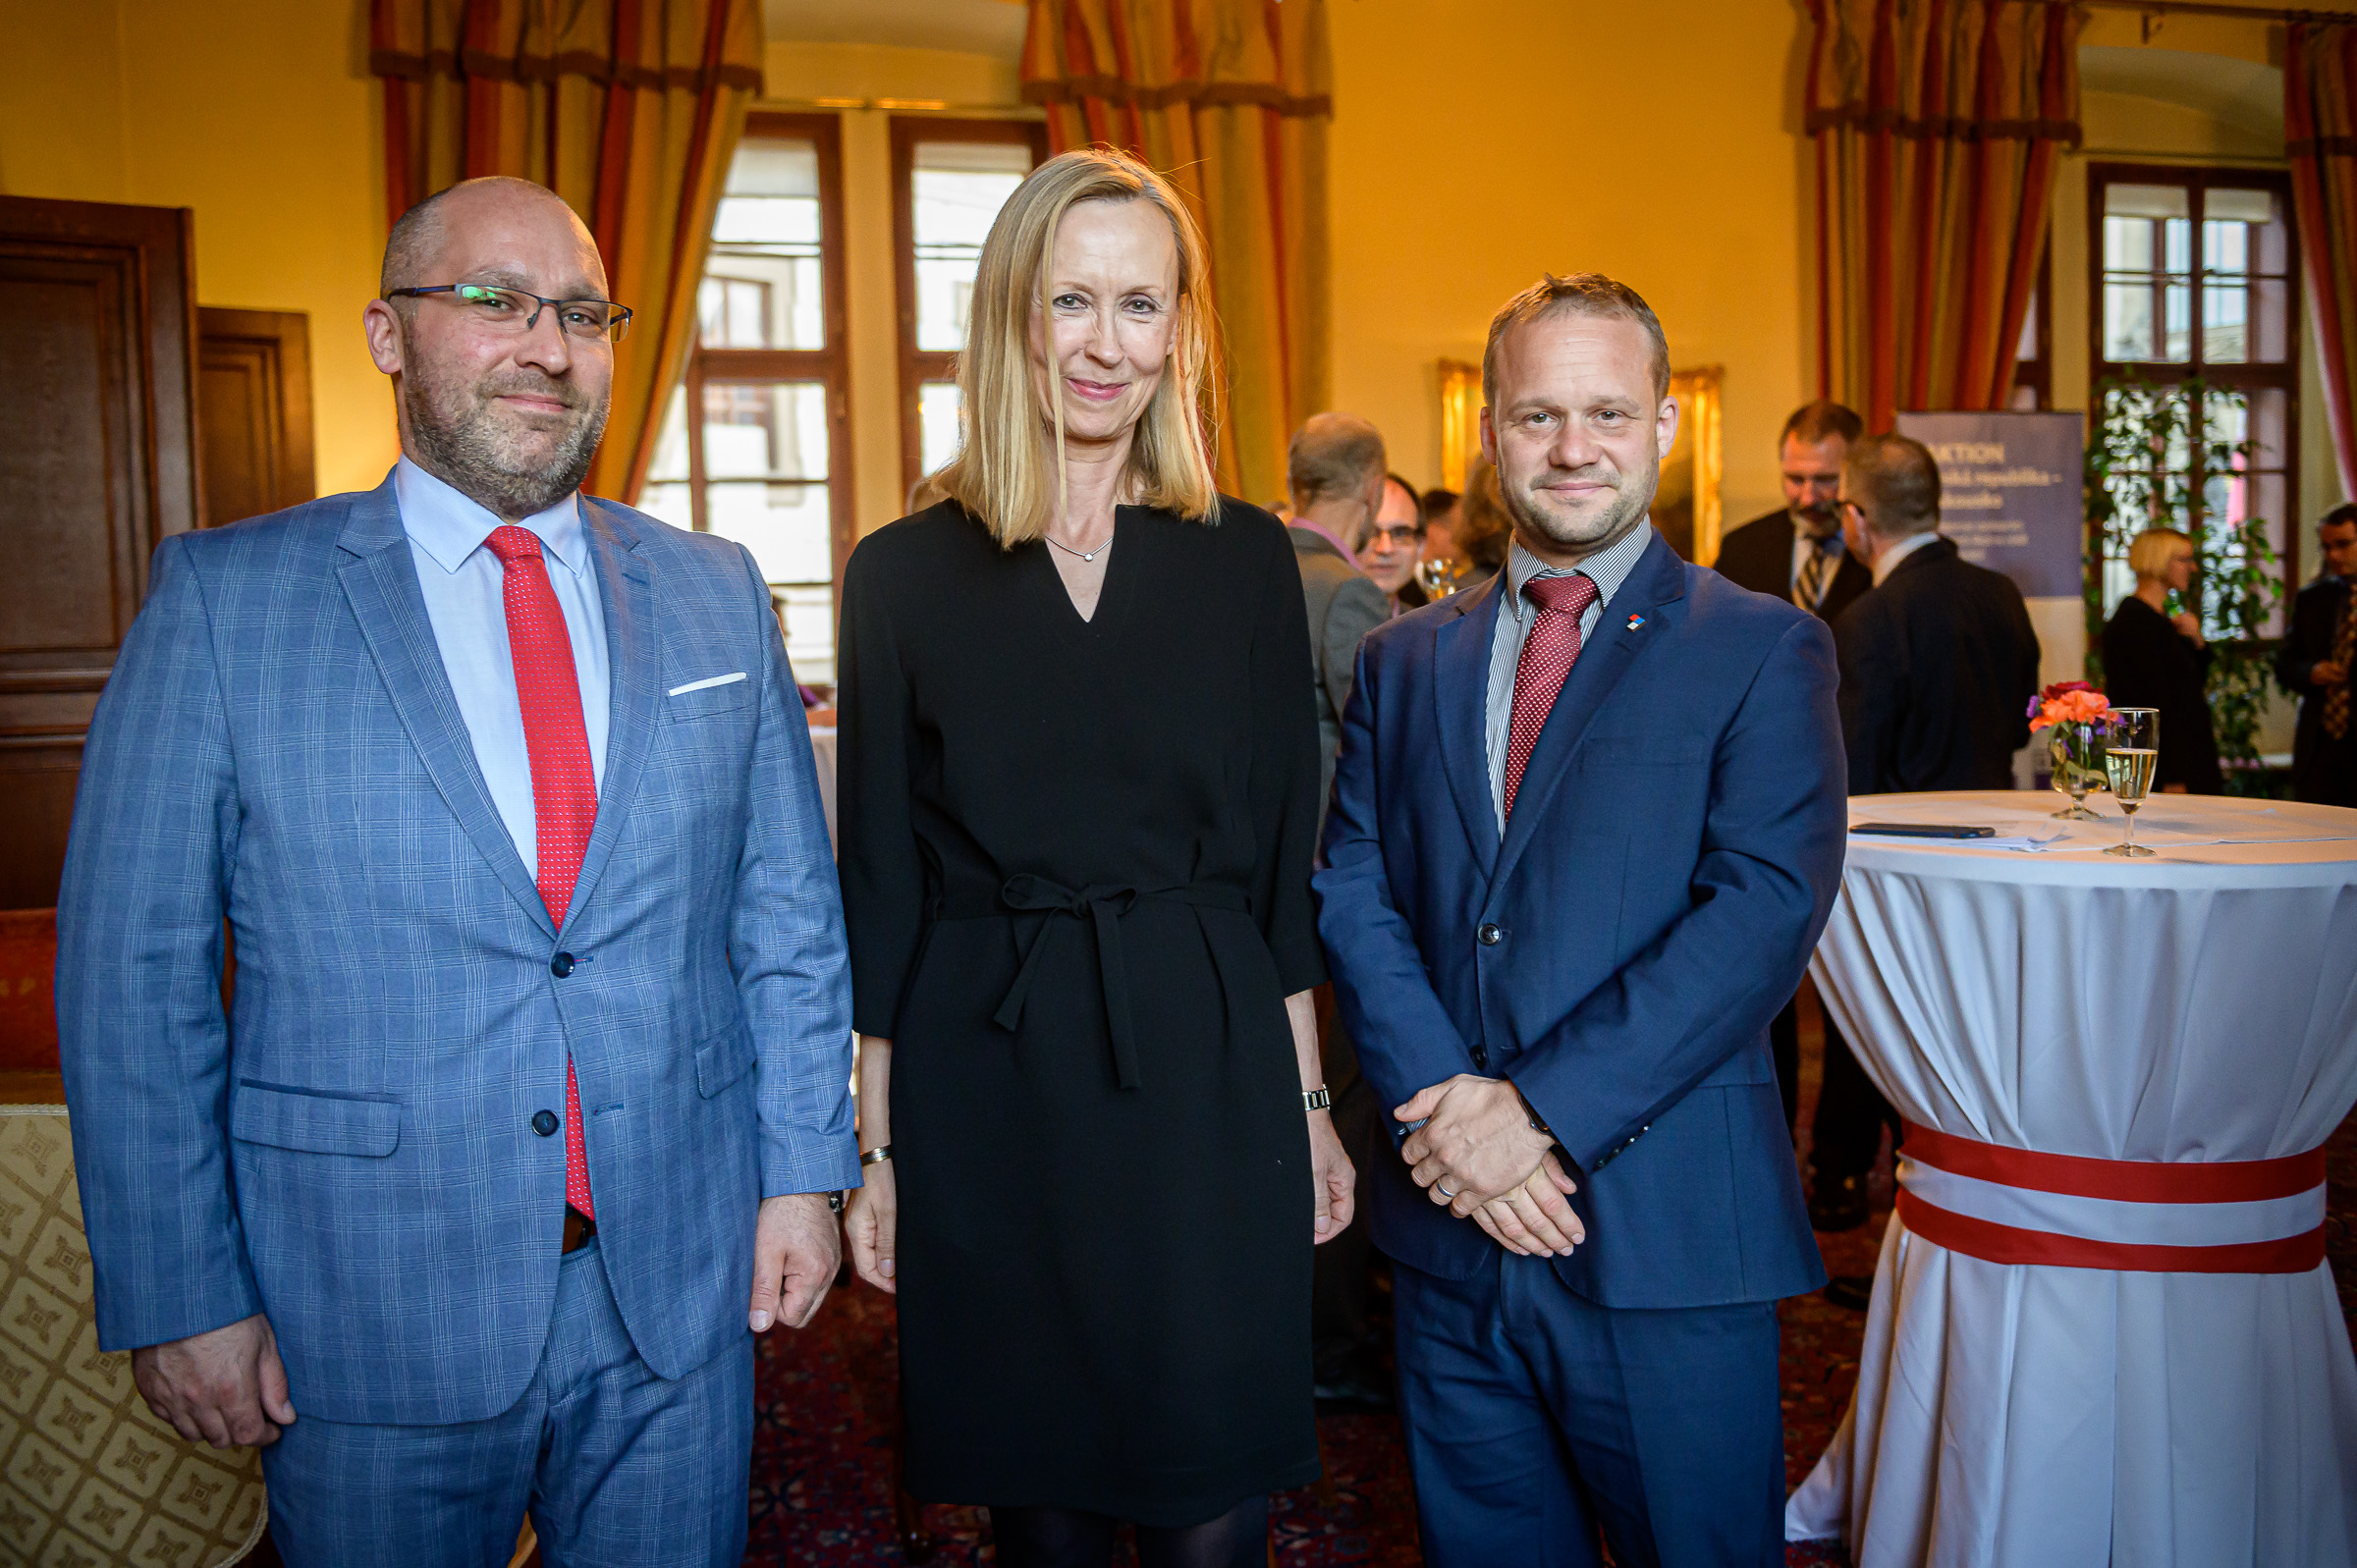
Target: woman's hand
x,y
2189,626
871,1224
1332,1175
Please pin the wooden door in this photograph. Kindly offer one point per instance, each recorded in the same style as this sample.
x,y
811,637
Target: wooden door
x,y
254,405
97,464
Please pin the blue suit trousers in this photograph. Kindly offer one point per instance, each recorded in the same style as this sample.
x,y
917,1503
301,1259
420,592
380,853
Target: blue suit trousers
x,y
618,1466
1534,1416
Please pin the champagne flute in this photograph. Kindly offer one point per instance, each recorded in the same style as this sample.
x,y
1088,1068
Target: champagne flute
x,y
1436,575
2129,756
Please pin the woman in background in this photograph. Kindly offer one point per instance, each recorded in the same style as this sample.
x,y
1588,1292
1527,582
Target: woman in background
x,y
1484,530
1079,777
2155,659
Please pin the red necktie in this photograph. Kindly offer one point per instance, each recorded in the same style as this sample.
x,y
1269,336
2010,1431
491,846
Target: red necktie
x,y
1548,654
564,788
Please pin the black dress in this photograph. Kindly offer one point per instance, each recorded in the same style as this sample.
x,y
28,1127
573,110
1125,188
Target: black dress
x,y
2147,662
1075,867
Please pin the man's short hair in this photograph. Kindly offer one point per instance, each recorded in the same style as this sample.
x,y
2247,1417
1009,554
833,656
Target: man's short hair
x,y
1583,293
1332,454
1897,481
1414,499
2343,515
1435,503
1814,422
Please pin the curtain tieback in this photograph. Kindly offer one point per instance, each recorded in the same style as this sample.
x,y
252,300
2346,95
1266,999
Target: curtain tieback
x,y
2018,1206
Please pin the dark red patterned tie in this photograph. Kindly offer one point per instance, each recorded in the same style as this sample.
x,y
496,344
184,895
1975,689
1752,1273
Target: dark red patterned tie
x,y
564,788
1548,654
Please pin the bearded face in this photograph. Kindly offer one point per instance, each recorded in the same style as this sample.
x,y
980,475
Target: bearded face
x,y
515,438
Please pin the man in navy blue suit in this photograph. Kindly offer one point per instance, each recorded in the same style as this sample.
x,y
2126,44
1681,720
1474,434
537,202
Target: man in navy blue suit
x,y
1586,827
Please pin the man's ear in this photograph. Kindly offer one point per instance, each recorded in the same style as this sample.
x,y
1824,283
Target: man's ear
x,y
1665,427
383,331
1489,437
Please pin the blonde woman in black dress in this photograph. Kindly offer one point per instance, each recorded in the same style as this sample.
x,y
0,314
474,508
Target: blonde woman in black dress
x,y
1080,769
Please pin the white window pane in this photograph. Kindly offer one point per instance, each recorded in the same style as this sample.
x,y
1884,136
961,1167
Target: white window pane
x,y
937,424
787,527
957,189
671,442
2147,201
808,613
669,502
2239,206
765,430
762,287
2127,321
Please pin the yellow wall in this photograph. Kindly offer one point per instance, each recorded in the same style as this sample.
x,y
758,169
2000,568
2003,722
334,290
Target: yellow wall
x,y
261,116
1476,146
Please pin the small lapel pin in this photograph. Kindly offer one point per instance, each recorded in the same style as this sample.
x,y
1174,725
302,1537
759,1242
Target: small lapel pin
x,y
1635,622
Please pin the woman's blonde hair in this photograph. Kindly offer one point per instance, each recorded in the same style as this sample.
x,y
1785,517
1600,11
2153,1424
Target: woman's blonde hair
x,y
1009,470
2150,551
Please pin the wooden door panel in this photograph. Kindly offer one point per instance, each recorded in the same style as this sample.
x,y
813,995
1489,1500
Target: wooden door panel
x,y
253,398
97,464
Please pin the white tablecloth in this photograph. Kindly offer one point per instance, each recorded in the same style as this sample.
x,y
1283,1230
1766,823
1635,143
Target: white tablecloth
x,y
2197,1006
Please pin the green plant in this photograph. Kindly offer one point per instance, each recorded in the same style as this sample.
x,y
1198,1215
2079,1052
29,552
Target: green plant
x,y
2165,456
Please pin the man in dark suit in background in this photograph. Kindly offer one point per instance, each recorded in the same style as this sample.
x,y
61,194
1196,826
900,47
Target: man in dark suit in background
x,y
1798,554
1938,666
2313,665
1334,481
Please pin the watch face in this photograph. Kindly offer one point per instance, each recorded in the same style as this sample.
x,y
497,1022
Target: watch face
x,y
835,1203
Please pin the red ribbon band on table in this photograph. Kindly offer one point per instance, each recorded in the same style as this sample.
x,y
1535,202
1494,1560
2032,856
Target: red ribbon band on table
x,y
2119,1181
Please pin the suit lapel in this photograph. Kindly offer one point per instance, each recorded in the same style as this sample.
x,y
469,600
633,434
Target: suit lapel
x,y
625,585
1658,579
380,580
1461,694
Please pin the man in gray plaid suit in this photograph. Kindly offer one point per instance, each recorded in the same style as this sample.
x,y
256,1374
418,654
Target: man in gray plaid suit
x,y
505,797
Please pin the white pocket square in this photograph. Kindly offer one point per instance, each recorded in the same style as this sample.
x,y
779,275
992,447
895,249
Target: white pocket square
x,y
710,680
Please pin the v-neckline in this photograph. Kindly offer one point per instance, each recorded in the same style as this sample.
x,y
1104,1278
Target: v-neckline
x,y
1064,593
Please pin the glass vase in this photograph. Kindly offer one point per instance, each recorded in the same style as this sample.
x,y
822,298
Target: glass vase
x,y
2076,752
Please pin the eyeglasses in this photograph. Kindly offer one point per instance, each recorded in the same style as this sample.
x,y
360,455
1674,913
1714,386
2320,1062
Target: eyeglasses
x,y
1403,538
515,310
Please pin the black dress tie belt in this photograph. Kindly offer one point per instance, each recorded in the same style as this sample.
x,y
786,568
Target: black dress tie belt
x,y
1026,893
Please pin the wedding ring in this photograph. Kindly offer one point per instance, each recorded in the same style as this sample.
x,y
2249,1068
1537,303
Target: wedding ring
x,y
1445,1192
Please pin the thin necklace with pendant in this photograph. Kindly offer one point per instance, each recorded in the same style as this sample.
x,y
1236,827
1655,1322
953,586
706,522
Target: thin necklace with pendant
x,y
1085,554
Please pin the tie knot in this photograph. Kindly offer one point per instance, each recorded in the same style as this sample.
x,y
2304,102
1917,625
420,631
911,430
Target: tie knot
x,y
513,544
1569,595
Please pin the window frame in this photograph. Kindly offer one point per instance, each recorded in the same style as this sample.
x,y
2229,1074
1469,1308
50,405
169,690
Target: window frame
x,y
830,366
2198,180
918,367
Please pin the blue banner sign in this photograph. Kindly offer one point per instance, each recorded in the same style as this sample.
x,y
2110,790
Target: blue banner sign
x,y
2009,493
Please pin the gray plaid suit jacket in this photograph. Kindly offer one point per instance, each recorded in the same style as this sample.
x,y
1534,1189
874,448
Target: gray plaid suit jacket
x,y
353,1152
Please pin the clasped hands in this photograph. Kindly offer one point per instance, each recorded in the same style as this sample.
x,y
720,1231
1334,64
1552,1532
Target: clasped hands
x,y
1478,1155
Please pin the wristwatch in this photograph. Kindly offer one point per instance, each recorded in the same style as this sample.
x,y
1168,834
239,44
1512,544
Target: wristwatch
x,y
1318,1099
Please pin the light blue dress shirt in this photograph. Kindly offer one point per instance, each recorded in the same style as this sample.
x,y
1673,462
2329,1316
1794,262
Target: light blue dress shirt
x,y
1607,568
464,587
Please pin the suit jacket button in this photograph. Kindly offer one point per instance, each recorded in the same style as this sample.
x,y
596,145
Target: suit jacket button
x,y
1481,1058
544,1122
1489,935
560,965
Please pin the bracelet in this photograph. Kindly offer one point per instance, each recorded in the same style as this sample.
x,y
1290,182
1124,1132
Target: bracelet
x,y
1318,1099
876,1155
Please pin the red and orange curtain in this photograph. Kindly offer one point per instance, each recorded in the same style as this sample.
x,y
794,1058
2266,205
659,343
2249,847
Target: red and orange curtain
x,y
628,109
2320,131
1937,127
1229,100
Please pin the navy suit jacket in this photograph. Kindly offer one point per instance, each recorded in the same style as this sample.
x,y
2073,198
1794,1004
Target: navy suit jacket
x,y
1674,852
353,1153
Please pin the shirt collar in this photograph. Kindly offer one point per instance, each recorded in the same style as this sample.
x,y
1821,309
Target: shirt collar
x,y
1607,568
1900,551
450,526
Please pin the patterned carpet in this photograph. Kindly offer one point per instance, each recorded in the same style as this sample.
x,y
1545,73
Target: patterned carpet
x,y
822,1455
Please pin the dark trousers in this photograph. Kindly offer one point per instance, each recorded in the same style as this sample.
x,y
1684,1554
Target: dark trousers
x,y
1341,1280
1534,1417
2325,770
1851,1113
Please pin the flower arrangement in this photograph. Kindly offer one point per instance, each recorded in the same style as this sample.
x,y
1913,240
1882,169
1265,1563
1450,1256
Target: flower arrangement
x,y
2078,714
2069,702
